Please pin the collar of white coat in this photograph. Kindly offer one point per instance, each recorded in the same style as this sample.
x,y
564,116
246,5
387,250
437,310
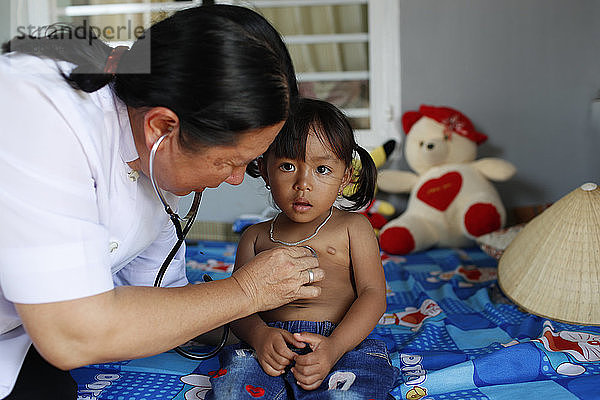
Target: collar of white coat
x,y
127,148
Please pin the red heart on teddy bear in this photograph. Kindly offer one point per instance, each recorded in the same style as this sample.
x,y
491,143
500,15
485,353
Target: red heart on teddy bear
x,y
439,193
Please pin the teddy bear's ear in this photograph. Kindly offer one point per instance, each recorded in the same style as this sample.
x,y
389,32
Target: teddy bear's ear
x,y
408,120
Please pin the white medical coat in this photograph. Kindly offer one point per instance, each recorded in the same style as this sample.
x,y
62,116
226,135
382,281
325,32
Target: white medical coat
x,y
73,221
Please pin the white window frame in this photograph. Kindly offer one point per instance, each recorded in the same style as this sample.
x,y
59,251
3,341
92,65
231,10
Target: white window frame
x,y
384,73
385,97
384,53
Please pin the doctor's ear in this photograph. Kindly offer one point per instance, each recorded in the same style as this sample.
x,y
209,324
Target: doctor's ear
x,y
159,121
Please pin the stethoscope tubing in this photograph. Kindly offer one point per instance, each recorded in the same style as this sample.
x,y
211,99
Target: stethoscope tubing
x,y
181,234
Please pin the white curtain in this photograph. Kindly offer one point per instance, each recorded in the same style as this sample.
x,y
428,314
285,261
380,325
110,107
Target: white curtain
x,y
145,19
289,21
30,13
327,57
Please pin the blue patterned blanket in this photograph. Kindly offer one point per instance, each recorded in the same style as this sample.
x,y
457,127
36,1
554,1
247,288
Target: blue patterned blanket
x,y
449,330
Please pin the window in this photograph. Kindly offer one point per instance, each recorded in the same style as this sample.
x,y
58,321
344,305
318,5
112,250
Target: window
x,y
344,51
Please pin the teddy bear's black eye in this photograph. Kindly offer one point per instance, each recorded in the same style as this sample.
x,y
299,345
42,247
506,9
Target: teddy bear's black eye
x,y
446,137
421,143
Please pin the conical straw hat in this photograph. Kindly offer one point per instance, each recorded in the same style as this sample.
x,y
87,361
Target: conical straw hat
x,y
552,267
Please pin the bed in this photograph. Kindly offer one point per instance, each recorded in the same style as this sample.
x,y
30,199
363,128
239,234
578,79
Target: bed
x,y
448,328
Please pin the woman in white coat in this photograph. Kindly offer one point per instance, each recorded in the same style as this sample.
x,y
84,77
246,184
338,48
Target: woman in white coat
x,y
82,231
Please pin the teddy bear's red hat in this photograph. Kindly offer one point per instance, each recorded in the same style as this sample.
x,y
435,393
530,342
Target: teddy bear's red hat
x,y
454,120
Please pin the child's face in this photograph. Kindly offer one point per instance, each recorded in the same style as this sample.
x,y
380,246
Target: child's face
x,y
305,190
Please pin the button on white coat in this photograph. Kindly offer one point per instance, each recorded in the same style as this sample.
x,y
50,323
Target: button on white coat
x,y
113,246
133,175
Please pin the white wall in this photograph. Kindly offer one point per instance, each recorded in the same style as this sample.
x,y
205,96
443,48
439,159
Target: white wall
x,y
525,72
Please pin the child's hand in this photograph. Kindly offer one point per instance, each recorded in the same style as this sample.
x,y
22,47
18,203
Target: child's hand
x,y
312,368
273,352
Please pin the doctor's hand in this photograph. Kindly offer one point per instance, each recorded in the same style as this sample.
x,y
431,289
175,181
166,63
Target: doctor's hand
x,y
278,276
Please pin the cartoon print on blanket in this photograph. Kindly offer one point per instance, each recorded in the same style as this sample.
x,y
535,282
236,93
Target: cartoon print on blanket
x,y
412,317
200,386
545,359
468,275
449,340
211,265
565,349
97,382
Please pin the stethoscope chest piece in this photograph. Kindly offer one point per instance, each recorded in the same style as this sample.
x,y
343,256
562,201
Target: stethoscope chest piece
x,y
313,251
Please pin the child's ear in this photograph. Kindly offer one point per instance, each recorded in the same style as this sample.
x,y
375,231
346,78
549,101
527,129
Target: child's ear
x,y
262,167
347,179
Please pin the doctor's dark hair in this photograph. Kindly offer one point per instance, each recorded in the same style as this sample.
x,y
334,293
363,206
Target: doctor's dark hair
x,y
333,130
257,26
221,75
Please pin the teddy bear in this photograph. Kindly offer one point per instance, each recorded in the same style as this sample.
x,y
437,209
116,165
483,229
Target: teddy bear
x,y
452,200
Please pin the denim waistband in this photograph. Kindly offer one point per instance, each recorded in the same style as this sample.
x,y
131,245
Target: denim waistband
x,y
324,328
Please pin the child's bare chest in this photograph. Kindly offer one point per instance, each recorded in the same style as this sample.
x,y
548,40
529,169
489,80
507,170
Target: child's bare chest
x,y
331,245
337,288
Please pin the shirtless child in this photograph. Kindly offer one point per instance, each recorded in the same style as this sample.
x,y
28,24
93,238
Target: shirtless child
x,y
314,348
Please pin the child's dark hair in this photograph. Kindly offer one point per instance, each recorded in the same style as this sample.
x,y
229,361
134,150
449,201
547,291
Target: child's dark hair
x,y
334,130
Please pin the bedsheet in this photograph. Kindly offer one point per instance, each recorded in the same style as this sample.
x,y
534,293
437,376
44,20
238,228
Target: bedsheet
x,y
448,328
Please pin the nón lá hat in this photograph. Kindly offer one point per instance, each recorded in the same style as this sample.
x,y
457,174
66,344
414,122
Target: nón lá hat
x,y
552,267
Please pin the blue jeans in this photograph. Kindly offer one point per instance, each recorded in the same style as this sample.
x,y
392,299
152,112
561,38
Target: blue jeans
x,y
363,373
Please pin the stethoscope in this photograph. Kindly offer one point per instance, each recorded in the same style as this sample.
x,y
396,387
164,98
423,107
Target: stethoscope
x,y
181,232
